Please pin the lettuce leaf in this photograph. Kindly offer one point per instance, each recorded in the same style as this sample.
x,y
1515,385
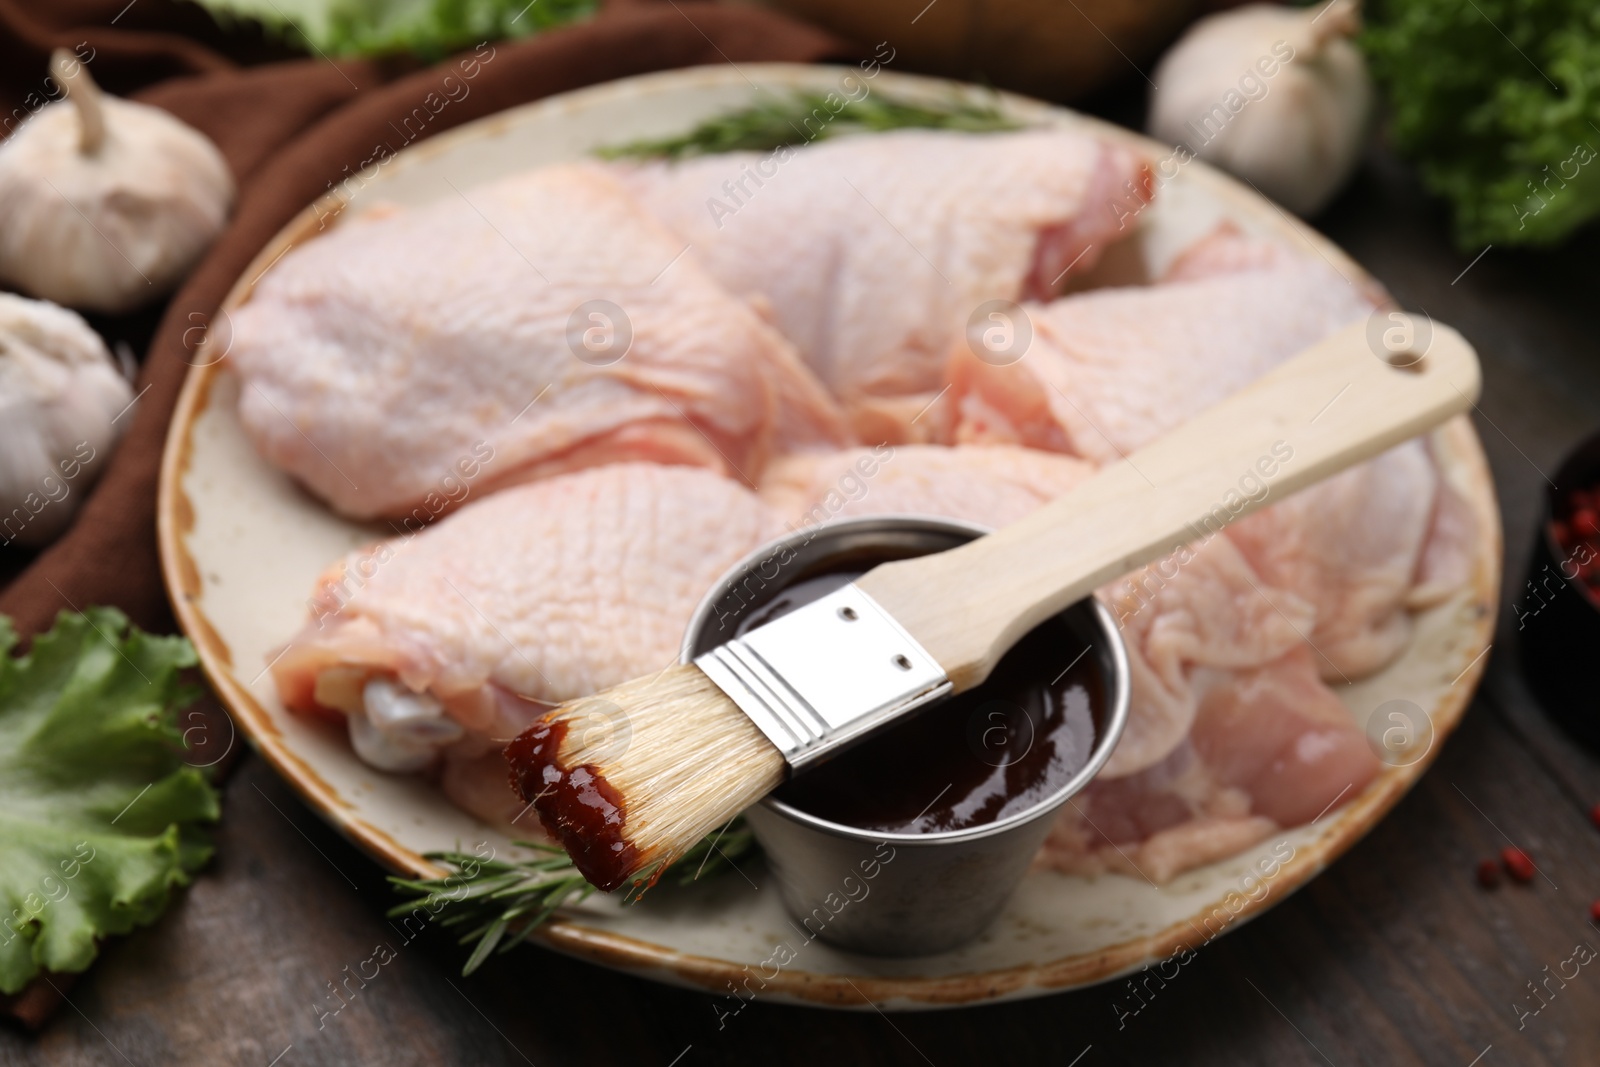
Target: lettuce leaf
x,y
1498,103
97,808
431,28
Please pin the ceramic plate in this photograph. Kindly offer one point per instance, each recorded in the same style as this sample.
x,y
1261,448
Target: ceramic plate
x,y
241,546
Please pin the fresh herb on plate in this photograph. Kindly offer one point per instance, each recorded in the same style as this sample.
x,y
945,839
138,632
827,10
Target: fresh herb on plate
x,y
494,898
98,812
430,28
806,117
1497,103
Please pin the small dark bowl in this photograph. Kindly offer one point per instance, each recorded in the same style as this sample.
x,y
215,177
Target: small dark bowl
x,y
1557,619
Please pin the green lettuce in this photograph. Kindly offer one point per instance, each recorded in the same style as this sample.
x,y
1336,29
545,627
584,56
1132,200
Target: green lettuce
x,y
431,28
97,808
1498,102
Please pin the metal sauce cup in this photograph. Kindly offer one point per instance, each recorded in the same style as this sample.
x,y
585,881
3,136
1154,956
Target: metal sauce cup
x,y
897,894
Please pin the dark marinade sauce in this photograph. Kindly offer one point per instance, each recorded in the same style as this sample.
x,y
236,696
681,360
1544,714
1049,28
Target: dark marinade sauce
x,y
576,805
971,760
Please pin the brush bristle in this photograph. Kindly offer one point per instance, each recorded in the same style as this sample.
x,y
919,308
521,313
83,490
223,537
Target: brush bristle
x,y
671,751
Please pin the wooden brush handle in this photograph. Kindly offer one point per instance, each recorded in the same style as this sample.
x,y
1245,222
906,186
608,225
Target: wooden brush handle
x,y
1326,409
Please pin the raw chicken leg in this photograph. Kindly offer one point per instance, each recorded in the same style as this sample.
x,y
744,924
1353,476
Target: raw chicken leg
x,y
872,252
1117,367
544,320
543,592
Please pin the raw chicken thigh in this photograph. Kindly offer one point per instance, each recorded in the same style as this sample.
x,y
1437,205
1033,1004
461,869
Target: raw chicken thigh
x,y
544,320
535,595
872,252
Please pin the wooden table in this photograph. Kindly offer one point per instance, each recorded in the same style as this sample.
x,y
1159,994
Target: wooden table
x,y
1393,956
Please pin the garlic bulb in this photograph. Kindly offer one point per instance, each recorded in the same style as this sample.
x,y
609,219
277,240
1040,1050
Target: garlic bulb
x,y
59,392
1279,96
106,204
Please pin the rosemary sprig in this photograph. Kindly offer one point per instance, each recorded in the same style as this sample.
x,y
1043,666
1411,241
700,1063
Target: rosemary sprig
x,y
806,117
501,903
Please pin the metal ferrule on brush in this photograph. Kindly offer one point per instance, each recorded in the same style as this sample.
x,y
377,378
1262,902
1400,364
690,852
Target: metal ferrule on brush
x,y
825,674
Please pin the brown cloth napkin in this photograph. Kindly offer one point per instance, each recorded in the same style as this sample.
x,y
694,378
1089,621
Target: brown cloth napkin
x,y
288,130
289,127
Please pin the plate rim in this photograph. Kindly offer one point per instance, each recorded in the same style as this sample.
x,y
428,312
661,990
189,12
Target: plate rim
x,y
1455,443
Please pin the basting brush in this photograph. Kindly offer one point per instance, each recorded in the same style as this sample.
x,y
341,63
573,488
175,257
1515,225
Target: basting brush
x,y
709,738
